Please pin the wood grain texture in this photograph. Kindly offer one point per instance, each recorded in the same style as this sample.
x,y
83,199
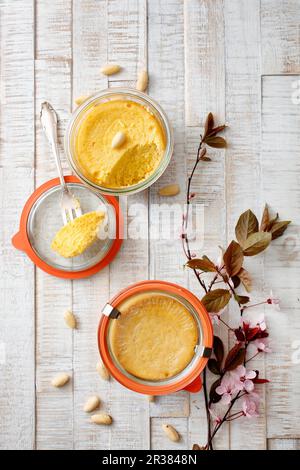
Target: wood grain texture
x,y
236,58
280,40
280,150
284,444
204,93
127,22
17,321
166,55
89,295
243,174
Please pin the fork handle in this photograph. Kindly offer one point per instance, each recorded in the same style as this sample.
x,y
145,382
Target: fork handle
x,y
48,118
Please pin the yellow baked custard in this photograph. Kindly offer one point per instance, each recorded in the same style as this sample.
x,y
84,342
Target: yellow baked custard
x,y
137,154
75,237
155,336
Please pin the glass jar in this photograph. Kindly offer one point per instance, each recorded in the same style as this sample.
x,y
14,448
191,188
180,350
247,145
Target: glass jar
x,y
116,94
189,377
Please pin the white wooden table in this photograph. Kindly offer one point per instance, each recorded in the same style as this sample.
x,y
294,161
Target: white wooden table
x,y
239,59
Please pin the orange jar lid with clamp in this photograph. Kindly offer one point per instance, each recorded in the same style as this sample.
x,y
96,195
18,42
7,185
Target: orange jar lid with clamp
x,y
41,219
181,301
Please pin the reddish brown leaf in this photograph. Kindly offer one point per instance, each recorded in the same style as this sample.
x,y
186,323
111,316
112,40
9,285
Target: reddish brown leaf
x,y
235,357
214,397
216,299
236,281
242,299
279,228
209,124
246,279
214,367
216,142
265,220
256,243
205,159
203,264
233,258
272,222
260,381
239,334
246,225
216,130
218,348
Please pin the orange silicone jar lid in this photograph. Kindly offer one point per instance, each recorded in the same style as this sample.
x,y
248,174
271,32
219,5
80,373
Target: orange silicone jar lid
x,y
21,240
185,381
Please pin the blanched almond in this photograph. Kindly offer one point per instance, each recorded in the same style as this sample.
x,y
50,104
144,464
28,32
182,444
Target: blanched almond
x,y
80,99
171,432
70,319
110,69
170,190
151,398
101,418
103,372
60,380
142,81
91,404
118,140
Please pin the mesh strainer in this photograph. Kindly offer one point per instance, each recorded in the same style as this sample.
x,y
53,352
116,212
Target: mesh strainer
x,y
41,219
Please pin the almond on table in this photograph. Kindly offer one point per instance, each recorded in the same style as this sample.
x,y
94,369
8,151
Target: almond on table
x,y
110,69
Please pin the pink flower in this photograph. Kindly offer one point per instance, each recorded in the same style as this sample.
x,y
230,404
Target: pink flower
x,y
215,319
250,405
273,301
243,378
215,416
227,389
262,345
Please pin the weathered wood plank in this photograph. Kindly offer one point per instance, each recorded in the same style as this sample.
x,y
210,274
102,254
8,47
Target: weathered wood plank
x,y
127,37
284,444
280,171
17,370
89,295
166,85
280,40
159,440
130,411
205,92
54,351
53,31
243,182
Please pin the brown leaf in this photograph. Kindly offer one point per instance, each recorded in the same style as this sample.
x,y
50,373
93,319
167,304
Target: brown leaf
x,y
246,279
246,225
265,220
205,159
216,142
204,264
216,130
242,299
256,243
214,366
197,447
279,228
209,123
272,222
214,397
216,299
218,348
236,281
235,357
233,258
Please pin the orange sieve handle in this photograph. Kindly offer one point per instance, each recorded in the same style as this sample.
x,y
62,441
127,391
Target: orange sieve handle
x,y
19,241
195,386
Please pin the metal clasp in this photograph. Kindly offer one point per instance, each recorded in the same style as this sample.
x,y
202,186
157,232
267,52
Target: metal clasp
x,y
110,311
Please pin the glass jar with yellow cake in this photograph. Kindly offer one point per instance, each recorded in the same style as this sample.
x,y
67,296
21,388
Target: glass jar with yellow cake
x,y
119,141
155,338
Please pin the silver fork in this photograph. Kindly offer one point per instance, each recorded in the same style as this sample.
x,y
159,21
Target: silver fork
x,y
70,206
